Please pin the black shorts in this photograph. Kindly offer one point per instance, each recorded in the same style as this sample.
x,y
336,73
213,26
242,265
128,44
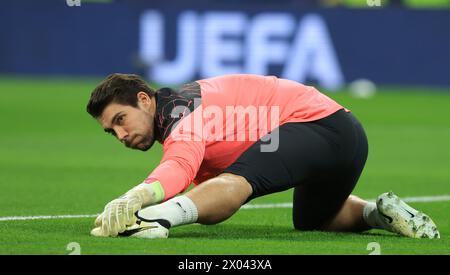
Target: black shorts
x,y
322,160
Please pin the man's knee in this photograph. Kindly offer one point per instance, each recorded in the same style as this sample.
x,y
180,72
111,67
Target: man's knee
x,y
302,225
237,191
237,186
311,219
220,197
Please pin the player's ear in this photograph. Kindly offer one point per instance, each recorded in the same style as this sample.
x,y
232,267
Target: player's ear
x,y
143,98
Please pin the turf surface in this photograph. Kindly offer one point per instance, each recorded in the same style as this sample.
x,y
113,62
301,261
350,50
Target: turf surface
x,y
56,160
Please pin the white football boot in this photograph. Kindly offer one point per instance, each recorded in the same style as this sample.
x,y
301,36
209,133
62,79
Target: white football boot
x,y
403,219
146,230
141,229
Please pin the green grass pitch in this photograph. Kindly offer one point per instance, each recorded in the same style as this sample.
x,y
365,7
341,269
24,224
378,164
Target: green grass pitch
x,y
55,160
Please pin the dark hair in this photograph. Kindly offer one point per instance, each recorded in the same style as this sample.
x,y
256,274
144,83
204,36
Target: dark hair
x,y
117,88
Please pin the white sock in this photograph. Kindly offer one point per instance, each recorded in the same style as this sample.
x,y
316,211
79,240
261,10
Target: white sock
x,y
177,211
371,216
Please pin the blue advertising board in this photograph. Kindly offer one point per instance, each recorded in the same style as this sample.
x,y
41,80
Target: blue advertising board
x,y
171,42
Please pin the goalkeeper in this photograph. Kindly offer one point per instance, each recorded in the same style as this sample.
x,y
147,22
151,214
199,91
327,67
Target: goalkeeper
x,y
239,137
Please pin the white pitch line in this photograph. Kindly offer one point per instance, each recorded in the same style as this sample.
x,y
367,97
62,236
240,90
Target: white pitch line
x,y
428,199
247,206
406,199
27,218
267,205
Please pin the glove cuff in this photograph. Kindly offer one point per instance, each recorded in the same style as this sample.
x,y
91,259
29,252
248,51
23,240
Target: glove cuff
x,y
148,193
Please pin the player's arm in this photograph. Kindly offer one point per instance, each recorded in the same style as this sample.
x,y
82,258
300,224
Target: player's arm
x,y
177,169
181,161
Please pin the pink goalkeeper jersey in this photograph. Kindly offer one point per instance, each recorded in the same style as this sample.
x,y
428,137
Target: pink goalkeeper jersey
x,y
206,125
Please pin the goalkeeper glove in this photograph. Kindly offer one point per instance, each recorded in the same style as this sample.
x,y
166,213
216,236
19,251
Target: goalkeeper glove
x,y
120,213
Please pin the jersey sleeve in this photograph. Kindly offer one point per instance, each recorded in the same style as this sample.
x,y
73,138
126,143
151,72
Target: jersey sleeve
x,y
184,150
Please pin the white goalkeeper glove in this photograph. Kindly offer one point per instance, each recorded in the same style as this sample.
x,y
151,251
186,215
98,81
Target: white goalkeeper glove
x,y
120,213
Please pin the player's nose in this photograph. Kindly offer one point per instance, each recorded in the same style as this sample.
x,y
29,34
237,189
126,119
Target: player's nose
x,y
121,134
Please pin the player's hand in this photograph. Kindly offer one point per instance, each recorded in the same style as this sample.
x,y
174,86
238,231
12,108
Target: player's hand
x,y
98,220
119,214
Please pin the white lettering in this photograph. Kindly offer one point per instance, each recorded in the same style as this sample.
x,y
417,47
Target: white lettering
x,y
312,55
267,41
183,67
218,48
218,43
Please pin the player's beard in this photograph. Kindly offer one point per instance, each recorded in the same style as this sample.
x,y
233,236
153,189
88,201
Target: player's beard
x,y
141,142
147,140
146,144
